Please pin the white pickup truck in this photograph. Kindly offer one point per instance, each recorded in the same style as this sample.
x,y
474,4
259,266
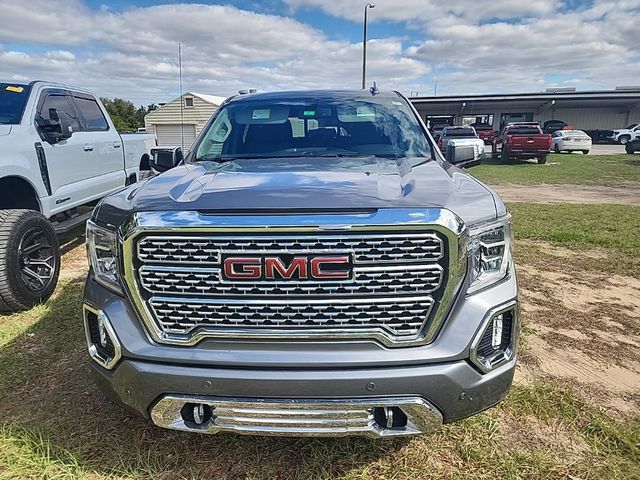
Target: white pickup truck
x,y
625,135
59,150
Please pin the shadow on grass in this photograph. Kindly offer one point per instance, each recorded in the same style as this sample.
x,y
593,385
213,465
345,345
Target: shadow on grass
x,y
71,239
46,391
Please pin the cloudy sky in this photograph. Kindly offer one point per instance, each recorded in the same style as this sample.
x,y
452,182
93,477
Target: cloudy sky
x,y
129,48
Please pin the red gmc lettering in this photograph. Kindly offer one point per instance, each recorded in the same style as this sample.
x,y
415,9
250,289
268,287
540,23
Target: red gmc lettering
x,y
318,262
273,264
300,268
242,267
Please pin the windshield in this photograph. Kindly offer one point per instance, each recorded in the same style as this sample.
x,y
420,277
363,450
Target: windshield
x,y
13,98
460,132
322,126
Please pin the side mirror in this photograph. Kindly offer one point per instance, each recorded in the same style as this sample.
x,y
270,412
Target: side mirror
x,y
55,128
164,159
463,155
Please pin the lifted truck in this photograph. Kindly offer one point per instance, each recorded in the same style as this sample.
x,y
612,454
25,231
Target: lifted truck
x,y
521,141
59,151
314,266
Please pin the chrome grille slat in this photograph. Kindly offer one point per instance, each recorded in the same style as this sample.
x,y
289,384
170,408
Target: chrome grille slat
x,y
367,248
397,317
207,282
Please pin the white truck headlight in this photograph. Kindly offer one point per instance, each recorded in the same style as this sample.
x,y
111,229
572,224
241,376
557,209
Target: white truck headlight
x,y
102,250
490,253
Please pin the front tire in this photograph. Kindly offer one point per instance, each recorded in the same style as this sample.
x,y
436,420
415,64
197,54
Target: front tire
x,y
506,158
586,152
542,160
556,149
624,139
29,259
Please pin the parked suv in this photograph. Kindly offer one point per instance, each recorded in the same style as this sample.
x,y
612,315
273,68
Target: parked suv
x,y
314,266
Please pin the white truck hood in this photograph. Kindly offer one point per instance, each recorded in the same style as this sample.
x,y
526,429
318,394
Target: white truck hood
x,y
5,130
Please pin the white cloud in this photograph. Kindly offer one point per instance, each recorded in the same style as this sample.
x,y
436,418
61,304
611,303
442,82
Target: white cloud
x,y
428,11
467,46
224,49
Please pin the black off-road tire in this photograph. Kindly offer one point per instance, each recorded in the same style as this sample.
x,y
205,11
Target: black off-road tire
x,y
542,160
29,259
629,148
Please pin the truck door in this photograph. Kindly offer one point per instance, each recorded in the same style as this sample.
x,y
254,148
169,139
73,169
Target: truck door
x,y
106,161
65,159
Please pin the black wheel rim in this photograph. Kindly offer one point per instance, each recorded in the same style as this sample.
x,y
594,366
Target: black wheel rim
x,y
37,260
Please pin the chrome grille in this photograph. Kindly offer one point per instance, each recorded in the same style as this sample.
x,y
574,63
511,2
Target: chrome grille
x,y
368,249
399,279
398,317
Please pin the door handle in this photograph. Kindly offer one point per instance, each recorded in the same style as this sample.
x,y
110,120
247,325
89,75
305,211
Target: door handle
x,y
87,147
116,144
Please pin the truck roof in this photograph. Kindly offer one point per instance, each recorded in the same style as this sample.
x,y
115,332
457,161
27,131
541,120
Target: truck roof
x,y
311,94
34,83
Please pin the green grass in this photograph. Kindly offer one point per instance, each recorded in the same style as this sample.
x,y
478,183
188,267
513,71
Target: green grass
x,y
612,226
614,230
608,170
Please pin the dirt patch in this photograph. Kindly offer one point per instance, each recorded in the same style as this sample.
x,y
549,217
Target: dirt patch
x,y
531,434
562,193
583,327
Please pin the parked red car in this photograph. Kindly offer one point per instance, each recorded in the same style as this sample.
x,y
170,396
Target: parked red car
x,y
522,141
485,132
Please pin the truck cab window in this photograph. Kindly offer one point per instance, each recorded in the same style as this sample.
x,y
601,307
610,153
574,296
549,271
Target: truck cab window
x,y
93,117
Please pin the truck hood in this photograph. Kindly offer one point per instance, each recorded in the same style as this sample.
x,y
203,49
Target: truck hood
x,y
5,130
308,184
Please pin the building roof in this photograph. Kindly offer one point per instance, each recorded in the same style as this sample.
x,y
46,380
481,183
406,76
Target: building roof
x,y
214,99
622,96
625,99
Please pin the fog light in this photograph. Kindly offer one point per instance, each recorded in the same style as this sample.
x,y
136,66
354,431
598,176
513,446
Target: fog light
x,y
196,414
496,335
495,343
102,342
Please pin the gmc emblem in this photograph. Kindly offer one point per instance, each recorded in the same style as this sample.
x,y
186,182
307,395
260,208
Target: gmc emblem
x,y
292,267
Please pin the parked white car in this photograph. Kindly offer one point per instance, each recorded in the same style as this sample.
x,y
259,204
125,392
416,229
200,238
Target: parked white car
x,y
570,141
59,150
624,135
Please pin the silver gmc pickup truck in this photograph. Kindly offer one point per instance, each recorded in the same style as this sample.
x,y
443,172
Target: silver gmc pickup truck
x,y
312,266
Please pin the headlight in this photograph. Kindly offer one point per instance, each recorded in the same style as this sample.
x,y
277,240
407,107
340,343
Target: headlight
x,y
102,250
490,253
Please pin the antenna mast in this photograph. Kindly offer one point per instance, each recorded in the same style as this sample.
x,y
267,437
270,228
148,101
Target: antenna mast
x,y
181,99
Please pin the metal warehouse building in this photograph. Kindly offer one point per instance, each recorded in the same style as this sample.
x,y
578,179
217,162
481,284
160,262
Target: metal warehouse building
x,y
165,122
589,110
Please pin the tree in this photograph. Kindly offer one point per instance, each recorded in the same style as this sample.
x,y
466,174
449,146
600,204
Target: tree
x,y
124,114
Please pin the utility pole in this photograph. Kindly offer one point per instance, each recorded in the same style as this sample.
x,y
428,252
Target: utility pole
x,y
364,46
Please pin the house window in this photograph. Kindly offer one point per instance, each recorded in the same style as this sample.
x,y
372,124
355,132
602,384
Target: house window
x,y
188,102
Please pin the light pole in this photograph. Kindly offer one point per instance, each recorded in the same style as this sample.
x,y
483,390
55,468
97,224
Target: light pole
x,y
364,45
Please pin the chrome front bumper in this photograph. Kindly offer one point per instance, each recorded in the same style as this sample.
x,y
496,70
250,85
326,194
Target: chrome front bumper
x,y
380,417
